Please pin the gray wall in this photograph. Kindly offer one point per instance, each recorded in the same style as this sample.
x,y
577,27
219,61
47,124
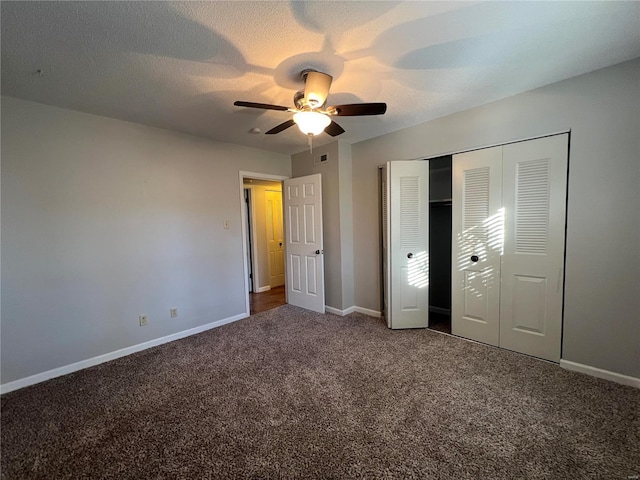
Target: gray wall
x,y
103,220
345,175
602,110
337,220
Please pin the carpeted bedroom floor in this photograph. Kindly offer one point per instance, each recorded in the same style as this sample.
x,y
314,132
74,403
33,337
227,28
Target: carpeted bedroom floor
x,y
293,394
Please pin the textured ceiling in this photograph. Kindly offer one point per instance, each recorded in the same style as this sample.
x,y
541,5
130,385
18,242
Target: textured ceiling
x,y
181,65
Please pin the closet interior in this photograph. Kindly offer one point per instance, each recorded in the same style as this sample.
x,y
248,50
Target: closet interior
x,y
440,243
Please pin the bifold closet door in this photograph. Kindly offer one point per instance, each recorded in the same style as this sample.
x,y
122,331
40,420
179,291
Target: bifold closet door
x,y
534,196
407,242
477,244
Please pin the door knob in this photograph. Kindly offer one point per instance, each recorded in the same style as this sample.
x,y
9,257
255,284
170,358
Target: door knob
x,y
474,258
318,252
409,255
280,243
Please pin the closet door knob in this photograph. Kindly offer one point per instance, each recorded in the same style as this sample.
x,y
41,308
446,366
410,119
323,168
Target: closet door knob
x,y
474,258
409,255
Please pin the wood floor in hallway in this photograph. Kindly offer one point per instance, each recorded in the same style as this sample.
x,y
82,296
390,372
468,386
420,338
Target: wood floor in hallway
x,y
259,302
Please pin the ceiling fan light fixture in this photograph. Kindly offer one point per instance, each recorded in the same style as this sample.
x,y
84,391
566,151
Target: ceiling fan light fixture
x,y
311,123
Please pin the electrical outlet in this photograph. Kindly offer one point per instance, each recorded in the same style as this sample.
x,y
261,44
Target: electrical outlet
x,y
173,312
143,320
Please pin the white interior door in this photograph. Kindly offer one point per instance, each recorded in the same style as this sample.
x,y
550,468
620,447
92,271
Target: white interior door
x,y
303,238
477,225
275,240
534,196
408,244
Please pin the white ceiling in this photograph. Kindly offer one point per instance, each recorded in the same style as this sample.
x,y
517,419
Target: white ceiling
x,y
181,65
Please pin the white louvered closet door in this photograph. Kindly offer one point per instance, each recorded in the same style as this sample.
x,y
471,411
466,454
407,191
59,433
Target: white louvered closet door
x,y
408,260
477,245
534,196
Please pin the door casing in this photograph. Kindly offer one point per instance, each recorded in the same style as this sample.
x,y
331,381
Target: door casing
x,y
260,176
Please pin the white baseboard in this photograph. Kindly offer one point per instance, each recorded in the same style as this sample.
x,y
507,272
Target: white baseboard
x,y
263,289
600,373
366,311
347,311
90,362
336,311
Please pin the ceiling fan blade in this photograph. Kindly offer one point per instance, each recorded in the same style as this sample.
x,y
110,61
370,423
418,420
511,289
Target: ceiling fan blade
x,y
357,109
334,129
281,127
264,106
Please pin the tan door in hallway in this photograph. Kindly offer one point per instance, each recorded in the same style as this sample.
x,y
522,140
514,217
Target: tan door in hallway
x,y
275,240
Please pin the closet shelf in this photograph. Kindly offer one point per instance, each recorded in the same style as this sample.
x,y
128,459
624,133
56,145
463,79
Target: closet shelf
x,y
440,202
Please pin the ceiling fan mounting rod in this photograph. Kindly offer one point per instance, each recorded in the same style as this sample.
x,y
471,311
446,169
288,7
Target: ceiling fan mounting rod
x,y
306,71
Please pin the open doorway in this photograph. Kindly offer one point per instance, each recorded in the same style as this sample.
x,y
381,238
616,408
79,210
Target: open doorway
x,y
263,241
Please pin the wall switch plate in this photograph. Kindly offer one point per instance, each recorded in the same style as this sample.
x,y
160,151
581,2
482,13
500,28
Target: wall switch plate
x,y
226,224
173,312
143,320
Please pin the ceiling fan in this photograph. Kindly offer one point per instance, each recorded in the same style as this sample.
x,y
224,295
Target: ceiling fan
x,y
310,113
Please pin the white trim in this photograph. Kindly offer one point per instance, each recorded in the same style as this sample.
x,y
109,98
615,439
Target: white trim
x,y
491,145
123,352
366,311
337,311
255,273
347,311
266,288
262,176
600,373
243,231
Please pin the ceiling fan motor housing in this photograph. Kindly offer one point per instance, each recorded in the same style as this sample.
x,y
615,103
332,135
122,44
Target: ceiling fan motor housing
x,y
298,99
316,88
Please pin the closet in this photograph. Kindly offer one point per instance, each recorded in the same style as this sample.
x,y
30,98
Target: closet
x,y
440,243
509,205
506,257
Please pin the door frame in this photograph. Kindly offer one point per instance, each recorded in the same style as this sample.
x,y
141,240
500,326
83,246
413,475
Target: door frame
x,y
243,222
250,223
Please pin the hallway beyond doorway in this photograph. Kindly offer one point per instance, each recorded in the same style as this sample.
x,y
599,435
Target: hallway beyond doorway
x,y
259,302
